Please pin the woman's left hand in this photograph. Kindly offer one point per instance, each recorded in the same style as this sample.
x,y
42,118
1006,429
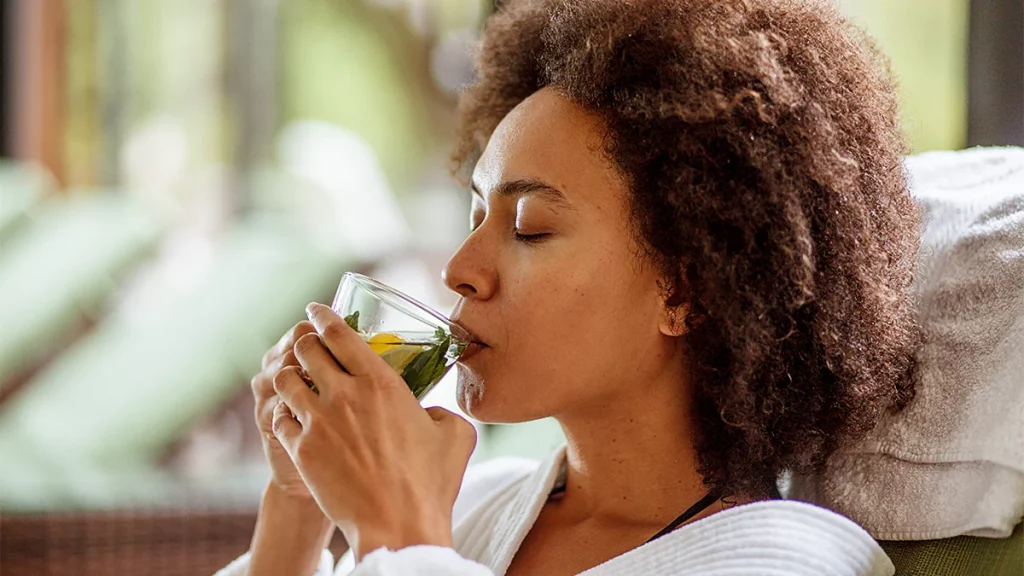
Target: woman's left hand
x,y
382,468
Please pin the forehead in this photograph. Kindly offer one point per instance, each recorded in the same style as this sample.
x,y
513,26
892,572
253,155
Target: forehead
x,y
550,138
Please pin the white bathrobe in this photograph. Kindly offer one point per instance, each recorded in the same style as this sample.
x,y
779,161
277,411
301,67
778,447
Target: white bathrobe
x,y
501,499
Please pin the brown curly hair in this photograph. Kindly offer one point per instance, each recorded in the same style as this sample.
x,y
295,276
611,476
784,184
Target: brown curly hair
x,y
761,143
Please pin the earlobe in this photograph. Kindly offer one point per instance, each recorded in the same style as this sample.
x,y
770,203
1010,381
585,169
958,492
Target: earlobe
x,y
674,320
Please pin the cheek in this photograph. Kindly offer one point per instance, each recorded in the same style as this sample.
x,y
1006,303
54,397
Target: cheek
x,y
580,308
566,340
572,327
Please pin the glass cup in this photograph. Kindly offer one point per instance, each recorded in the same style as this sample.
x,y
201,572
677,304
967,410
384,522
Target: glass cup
x,y
420,343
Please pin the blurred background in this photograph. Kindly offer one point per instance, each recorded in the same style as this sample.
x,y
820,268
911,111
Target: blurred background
x,y
178,178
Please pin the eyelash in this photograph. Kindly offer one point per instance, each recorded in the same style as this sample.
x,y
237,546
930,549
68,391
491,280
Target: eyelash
x,y
529,238
524,238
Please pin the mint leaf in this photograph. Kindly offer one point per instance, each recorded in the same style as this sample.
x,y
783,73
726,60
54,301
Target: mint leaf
x,y
428,366
415,370
353,320
442,364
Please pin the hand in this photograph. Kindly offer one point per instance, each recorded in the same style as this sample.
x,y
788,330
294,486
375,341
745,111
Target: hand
x,y
382,468
283,475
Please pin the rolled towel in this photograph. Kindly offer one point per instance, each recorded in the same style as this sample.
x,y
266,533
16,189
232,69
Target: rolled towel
x,y
952,462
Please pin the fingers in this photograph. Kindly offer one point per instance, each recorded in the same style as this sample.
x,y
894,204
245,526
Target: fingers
x,y
287,340
293,391
342,341
318,362
285,428
263,383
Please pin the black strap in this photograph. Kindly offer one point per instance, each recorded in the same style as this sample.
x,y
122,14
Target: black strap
x,y
692,511
559,488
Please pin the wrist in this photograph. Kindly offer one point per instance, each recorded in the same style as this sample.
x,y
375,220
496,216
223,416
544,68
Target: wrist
x,y
397,535
292,493
290,534
298,507
281,494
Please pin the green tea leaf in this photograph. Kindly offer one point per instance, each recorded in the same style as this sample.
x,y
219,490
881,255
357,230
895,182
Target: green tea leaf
x,y
414,371
428,366
353,320
426,376
442,360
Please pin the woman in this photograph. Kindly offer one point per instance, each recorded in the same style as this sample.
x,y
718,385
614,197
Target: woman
x,y
692,245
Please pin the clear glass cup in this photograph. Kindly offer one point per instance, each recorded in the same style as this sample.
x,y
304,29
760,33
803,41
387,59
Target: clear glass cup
x,y
420,343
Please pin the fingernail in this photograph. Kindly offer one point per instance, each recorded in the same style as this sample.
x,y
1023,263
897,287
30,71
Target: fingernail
x,y
311,309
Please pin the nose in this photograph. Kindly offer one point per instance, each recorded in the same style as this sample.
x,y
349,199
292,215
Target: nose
x,y
470,272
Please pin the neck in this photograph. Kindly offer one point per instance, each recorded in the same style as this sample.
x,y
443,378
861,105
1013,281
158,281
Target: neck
x,y
631,458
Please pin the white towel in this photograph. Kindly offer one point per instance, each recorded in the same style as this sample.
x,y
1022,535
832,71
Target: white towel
x,y
952,463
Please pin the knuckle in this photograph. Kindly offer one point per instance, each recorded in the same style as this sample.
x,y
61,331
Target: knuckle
x,y
279,422
286,342
312,426
282,377
299,330
289,359
336,395
306,343
334,331
374,387
261,386
344,394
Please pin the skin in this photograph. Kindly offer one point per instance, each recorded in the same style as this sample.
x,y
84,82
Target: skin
x,y
578,330
574,326
291,530
382,484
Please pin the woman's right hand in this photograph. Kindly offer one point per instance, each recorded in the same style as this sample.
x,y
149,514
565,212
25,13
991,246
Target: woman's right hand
x,y
291,530
283,474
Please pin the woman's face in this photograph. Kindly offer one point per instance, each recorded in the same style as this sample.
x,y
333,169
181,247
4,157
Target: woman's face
x,y
550,277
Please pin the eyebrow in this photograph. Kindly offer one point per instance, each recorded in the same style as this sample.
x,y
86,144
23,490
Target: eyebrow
x,y
523,187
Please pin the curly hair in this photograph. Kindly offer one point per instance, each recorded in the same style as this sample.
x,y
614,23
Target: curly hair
x,y
761,143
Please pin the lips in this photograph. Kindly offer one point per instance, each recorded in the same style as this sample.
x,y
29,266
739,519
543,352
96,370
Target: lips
x,y
473,349
475,343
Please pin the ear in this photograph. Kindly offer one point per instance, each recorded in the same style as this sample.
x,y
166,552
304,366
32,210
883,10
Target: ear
x,y
673,319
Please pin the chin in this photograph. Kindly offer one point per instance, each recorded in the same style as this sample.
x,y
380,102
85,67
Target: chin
x,y
492,403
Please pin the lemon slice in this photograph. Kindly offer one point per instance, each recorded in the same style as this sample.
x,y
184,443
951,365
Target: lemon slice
x,y
381,343
400,356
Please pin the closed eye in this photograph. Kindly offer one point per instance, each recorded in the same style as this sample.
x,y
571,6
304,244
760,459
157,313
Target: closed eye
x,y
529,238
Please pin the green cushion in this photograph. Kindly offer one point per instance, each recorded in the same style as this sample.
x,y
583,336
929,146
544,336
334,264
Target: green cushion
x,y
63,266
149,371
960,556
